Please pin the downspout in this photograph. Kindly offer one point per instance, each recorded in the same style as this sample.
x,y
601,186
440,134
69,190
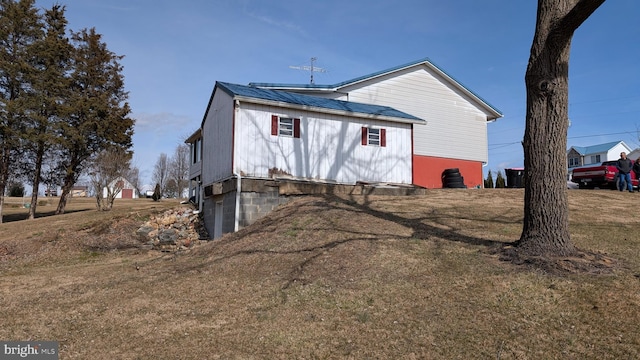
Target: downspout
x,y
238,191
236,107
200,196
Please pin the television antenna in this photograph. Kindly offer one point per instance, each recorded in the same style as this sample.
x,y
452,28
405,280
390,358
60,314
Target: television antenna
x,y
311,68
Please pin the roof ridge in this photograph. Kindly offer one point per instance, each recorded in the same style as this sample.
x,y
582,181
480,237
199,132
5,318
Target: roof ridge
x,y
379,73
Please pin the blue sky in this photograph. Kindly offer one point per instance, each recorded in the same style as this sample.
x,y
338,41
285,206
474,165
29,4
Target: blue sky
x,y
175,51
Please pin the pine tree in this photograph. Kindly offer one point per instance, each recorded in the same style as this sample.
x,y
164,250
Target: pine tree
x,y
98,115
49,83
500,182
157,193
20,28
488,182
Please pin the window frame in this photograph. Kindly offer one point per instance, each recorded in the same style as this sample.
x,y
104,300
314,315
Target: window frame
x,y
574,161
196,151
280,126
374,136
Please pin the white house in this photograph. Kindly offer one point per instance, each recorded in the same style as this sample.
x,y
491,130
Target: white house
x,y
455,132
595,154
404,126
250,133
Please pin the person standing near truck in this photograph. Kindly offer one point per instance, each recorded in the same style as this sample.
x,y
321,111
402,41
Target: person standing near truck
x,y
624,167
636,168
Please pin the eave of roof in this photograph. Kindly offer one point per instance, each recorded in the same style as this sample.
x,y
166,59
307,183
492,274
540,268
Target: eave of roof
x,y
196,135
316,104
599,148
426,61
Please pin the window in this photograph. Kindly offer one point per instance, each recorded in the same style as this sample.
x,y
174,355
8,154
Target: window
x,y
196,151
595,159
283,126
573,162
374,137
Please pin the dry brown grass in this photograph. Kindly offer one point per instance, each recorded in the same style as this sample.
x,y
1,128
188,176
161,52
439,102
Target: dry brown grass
x,y
328,277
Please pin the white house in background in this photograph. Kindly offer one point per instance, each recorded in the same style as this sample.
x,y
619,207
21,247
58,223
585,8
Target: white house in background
x,y
128,190
634,154
595,154
257,134
455,132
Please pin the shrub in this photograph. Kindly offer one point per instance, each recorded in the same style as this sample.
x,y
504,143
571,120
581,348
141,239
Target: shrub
x,y
156,193
16,189
488,182
500,183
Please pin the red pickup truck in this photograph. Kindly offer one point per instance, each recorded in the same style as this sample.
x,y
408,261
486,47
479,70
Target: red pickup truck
x,y
604,175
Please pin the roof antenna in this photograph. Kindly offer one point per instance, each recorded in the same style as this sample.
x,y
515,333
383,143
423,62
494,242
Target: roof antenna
x,y
311,68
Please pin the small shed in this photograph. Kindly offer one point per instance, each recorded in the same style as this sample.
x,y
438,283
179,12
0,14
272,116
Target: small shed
x,y
127,191
515,177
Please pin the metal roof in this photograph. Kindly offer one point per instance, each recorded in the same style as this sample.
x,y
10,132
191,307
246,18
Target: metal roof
x,y
313,102
425,61
594,149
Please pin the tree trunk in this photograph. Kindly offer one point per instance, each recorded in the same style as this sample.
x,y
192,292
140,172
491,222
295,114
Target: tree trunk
x,y
4,175
546,209
67,185
36,181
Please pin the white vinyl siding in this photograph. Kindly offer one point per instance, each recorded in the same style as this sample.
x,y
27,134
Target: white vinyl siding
x,y
614,153
329,148
217,136
455,127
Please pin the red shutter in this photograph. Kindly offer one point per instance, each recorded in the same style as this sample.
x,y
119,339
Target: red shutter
x,y
274,124
364,136
383,137
296,128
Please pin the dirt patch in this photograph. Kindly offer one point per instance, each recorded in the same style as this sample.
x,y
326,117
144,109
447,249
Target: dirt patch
x,y
583,262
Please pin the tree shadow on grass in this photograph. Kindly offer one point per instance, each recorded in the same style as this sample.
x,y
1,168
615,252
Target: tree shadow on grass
x,y
39,214
273,230
422,230
582,262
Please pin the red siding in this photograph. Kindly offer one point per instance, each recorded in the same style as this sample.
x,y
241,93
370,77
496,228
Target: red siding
x,y
427,171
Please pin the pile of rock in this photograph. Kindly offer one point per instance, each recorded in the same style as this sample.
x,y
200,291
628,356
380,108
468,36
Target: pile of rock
x,y
175,229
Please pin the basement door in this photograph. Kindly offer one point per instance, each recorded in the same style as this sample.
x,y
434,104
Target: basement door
x,y
217,222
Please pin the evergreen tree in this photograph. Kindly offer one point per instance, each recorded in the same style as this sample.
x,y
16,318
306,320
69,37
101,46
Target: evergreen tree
x,y
157,193
98,115
16,189
62,100
20,28
500,182
488,182
49,83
